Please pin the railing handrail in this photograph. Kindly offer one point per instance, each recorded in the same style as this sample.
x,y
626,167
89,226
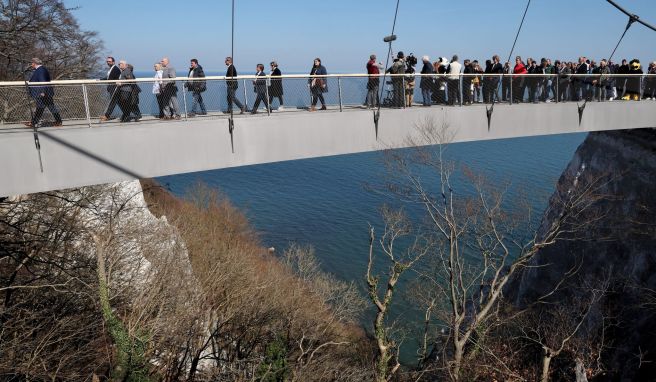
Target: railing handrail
x,y
307,76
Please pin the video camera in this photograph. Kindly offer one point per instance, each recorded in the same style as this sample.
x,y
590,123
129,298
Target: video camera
x,y
411,60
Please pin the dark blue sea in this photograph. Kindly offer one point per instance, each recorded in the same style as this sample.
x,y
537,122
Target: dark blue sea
x,y
323,201
328,202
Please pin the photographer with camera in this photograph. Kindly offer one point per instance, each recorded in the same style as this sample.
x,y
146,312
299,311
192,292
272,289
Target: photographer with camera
x,y
398,67
410,62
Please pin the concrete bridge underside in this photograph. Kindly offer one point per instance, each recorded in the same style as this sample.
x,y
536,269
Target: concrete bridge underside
x,y
74,157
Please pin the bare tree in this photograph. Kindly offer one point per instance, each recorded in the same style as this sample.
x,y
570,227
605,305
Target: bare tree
x,y
478,245
46,29
398,261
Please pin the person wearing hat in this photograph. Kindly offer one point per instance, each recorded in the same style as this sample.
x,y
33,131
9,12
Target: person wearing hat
x,y
42,94
633,81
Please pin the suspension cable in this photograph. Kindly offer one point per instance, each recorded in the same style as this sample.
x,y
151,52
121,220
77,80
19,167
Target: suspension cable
x,y
632,19
389,54
231,121
512,49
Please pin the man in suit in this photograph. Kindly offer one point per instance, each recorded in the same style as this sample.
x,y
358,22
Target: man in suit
x,y
232,86
42,94
170,99
260,88
112,74
196,87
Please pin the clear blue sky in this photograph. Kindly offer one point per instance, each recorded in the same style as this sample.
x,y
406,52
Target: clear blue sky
x,y
345,32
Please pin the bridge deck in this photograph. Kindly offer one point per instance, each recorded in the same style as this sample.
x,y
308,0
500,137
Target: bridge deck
x,y
76,155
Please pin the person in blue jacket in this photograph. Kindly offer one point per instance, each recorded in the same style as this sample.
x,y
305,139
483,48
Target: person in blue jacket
x,y
42,94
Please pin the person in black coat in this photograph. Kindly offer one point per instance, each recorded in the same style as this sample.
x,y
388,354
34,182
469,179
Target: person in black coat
x,y
42,94
260,88
427,82
196,87
467,82
318,86
621,81
491,83
232,86
112,74
275,89
129,94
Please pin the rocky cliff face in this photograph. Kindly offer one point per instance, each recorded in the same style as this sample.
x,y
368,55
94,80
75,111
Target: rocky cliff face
x,y
612,247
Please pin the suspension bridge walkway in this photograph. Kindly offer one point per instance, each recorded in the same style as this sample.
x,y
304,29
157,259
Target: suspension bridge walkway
x,y
86,151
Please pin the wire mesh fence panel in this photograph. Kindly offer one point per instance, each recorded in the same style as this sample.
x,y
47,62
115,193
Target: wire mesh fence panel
x,y
354,90
14,104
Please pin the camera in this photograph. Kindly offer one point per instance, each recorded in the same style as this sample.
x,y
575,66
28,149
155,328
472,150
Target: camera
x,y
411,60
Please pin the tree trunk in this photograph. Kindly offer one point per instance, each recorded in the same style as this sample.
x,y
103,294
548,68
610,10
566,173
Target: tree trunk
x,y
546,361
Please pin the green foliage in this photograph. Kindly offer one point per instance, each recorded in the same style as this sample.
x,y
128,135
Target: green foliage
x,y
274,368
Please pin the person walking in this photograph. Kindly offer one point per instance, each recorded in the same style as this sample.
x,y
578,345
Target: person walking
x,y
231,86
157,89
275,89
42,94
170,99
112,74
129,94
426,83
318,86
196,87
260,89
373,83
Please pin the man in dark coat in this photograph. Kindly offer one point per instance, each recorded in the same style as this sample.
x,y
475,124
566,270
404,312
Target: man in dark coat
x,y
260,88
491,83
467,83
196,87
112,74
232,86
426,83
42,94
275,89
129,94
621,81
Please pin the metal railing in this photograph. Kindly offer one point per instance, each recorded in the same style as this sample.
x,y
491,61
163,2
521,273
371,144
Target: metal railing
x,y
85,102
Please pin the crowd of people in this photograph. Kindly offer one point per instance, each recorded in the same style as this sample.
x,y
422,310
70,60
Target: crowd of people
x,y
441,82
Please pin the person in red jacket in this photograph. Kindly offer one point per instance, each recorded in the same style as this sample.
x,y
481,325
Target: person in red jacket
x,y
373,69
519,83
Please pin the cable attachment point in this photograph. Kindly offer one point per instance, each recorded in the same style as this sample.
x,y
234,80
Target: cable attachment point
x,y
231,128
489,112
376,118
632,19
581,108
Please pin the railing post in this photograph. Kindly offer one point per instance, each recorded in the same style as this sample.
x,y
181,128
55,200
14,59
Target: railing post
x,y
403,92
86,104
511,91
267,102
460,90
245,95
642,90
557,80
184,100
339,92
